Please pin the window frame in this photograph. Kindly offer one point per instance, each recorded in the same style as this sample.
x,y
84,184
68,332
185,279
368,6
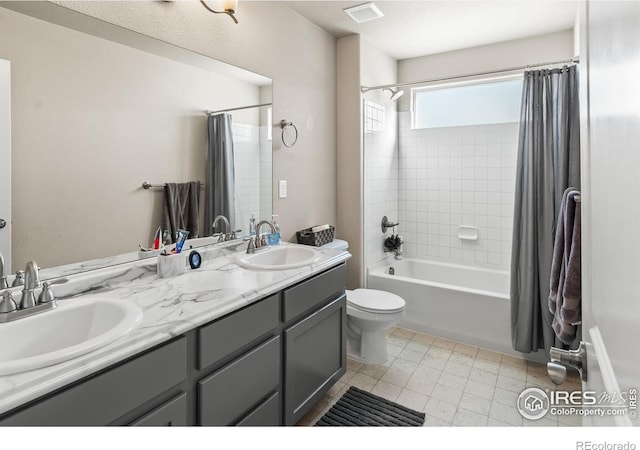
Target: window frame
x,y
453,84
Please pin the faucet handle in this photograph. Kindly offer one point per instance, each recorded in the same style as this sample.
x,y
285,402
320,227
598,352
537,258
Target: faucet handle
x,y
251,248
46,296
19,279
3,282
7,304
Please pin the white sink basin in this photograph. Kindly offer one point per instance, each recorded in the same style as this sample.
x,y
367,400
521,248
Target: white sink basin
x,y
278,258
74,328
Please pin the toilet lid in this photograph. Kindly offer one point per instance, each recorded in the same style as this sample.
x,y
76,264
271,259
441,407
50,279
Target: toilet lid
x,y
375,301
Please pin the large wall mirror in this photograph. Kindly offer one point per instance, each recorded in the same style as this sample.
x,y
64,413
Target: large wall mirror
x,y
96,110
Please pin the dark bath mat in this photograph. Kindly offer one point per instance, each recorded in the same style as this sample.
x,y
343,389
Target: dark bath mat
x,y
361,408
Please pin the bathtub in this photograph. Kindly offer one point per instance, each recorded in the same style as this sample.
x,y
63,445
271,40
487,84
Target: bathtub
x,y
462,303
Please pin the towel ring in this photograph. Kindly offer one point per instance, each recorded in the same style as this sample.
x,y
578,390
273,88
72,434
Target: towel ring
x,y
284,125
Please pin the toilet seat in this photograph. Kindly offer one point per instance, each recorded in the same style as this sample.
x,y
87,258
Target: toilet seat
x,y
375,301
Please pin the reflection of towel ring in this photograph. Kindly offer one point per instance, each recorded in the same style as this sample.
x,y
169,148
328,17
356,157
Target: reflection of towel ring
x,y
284,124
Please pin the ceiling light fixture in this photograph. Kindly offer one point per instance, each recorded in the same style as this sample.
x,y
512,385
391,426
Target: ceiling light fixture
x,y
229,8
364,13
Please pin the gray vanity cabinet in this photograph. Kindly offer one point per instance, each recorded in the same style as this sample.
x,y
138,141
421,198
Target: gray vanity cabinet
x,y
265,364
239,359
315,358
108,396
230,393
314,340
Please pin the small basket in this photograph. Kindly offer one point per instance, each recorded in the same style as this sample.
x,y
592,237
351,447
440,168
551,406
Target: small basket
x,y
308,237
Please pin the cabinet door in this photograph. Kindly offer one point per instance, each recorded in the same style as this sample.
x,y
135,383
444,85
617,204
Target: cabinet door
x,y
315,358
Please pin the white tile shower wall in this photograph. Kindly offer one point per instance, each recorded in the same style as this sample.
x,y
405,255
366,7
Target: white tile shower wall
x,y
266,177
380,176
457,176
246,146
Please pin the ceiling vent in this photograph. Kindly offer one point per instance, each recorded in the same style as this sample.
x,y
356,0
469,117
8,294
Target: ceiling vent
x,y
364,13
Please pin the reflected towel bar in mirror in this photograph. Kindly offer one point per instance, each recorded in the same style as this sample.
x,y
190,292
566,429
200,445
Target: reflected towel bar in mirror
x,y
147,185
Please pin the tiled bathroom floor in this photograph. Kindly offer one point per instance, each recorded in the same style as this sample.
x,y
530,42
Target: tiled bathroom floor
x,y
454,384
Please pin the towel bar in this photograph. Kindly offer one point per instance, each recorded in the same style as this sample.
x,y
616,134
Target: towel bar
x,y
147,185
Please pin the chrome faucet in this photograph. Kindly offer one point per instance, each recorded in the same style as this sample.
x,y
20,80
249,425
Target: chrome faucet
x,y
31,282
3,276
28,305
261,241
222,236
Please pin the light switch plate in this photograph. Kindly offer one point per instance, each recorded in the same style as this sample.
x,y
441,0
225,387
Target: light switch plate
x,y
282,189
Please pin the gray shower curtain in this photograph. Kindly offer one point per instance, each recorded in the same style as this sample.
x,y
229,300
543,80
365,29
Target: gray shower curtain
x,y
220,192
548,163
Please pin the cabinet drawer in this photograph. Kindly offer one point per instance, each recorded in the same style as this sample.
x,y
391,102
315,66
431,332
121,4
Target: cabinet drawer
x,y
230,392
172,413
311,293
265,415
105,397
230,333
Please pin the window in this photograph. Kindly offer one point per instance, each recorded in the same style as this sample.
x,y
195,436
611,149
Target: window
x,y
469,104
374,117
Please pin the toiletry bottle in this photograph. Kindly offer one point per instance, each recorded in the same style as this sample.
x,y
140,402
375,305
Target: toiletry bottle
x,y
274,238
252,226
166,237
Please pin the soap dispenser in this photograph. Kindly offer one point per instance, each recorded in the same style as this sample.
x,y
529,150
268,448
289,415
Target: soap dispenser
x,y
252,225
274,238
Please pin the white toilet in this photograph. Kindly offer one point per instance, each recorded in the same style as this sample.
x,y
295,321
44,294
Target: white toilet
x,y
370,313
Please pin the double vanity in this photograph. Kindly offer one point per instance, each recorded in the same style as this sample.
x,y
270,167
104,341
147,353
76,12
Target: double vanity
x,y
242,340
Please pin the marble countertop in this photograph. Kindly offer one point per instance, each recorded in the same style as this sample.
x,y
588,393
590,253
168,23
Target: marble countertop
x,y
171,307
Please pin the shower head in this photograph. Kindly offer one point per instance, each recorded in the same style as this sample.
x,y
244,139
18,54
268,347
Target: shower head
x,y
395,95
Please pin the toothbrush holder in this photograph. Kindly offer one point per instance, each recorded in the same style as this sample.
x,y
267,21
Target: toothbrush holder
x,y
172,265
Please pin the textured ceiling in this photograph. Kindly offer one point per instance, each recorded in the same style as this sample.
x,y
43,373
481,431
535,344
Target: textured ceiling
x,y
416,28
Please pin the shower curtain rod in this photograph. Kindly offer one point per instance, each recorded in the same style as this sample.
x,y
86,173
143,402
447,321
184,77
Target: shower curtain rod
x,y
365,89
208,113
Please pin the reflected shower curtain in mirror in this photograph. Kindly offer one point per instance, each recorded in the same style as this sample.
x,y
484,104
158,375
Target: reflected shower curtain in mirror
x,y
220,194
548,163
